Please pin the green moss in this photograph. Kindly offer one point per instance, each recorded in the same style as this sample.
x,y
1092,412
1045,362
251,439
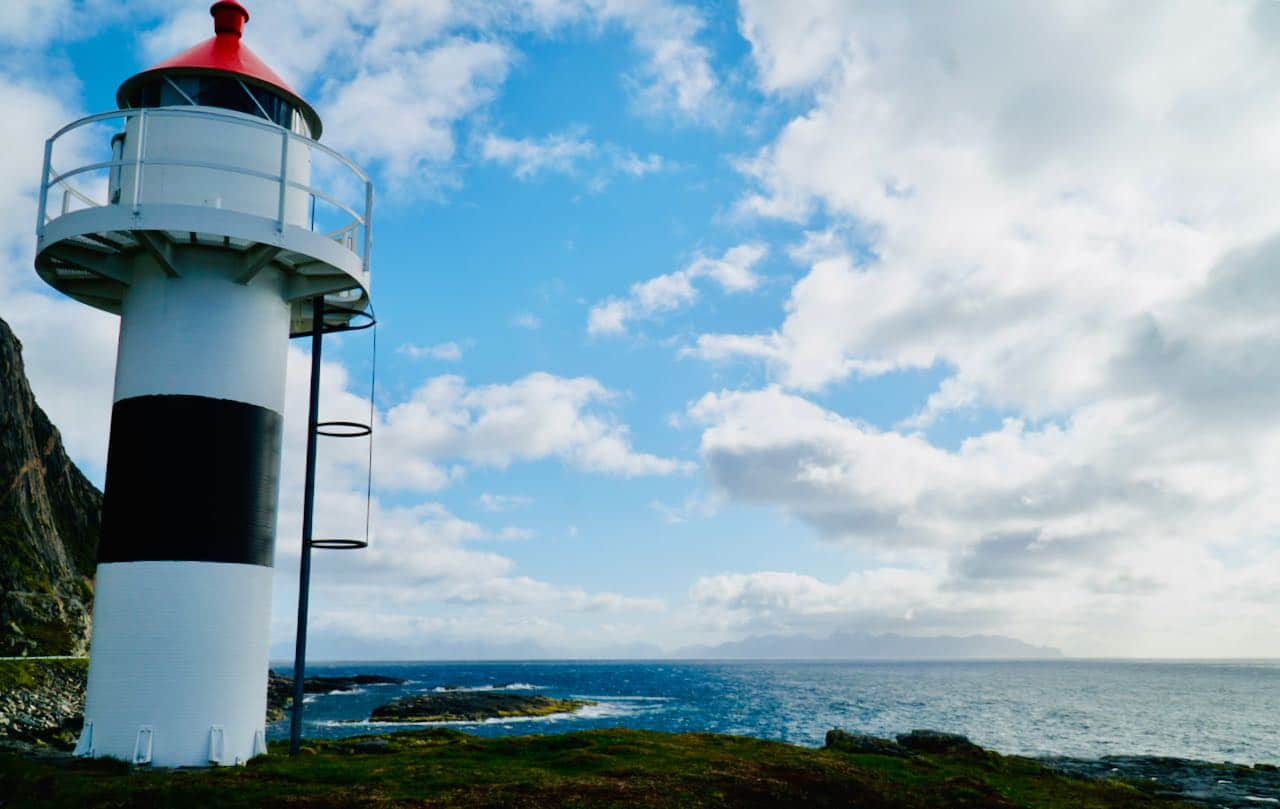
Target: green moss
x,y
474,708
444,768
15,674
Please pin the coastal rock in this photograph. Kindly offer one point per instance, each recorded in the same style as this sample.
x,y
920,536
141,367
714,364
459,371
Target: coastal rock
x,y
1223,786
324,685
41,702
846,742
472,706
280,689
49,525
936,741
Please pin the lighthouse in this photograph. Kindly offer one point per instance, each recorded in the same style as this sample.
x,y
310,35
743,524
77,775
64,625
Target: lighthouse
x,y
206,214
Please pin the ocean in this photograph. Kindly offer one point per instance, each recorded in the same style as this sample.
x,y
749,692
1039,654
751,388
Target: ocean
x,y
1214,711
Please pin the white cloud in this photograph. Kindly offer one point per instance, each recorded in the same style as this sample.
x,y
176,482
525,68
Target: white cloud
x,y
403,113
570,154
538,416
1154,502
447,352
1029,179
503,502
733,272
420,556
68,347
1066,209
676,77
526,320
393,80
514,533
528,158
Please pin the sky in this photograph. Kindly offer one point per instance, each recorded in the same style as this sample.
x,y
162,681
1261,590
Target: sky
x,y
703,321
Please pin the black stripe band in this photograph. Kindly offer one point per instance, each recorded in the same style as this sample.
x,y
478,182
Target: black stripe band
x,y
191,478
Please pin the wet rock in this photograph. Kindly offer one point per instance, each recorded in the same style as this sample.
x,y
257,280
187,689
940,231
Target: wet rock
x,y
1233,786
371,746
846,742
936,741
280,689
324,685
472,706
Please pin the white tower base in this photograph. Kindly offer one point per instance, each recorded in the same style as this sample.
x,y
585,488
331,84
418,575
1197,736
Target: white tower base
x,y
179,663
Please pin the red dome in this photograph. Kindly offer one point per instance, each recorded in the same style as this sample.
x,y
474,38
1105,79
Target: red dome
x,y
223,54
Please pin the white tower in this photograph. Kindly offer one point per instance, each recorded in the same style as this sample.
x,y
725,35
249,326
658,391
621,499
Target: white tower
x,y
210,226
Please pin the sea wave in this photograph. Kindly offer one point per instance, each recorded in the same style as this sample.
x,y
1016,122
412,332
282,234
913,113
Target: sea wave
x,y
600,710
342,692
444,689
616,698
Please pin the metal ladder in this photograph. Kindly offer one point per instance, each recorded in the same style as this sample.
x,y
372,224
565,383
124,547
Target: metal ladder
x,y
326,318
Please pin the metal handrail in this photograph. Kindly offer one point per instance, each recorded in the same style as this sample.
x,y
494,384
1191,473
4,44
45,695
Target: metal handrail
x,y
343,235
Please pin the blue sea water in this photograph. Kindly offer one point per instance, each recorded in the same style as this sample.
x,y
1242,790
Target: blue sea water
x,y
1215,711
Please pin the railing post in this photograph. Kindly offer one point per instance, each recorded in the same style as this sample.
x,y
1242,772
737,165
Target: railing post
x,y
368,224
137,161
44,189
284,178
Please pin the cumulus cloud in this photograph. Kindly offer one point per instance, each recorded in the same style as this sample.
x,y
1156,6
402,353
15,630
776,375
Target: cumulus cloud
x,y
1150,502
403,113
528,157
1028,180
422,555
537,416
503,502
69,348
393,81
526,320
567,153
732,272
1067,212
447,352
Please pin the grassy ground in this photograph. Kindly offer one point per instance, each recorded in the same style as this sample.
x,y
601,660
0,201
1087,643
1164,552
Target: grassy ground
x,y
608,768
17,672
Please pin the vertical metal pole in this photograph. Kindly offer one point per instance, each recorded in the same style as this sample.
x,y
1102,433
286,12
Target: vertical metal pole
x,y
368,224
284,178
137,162
44,190
308,510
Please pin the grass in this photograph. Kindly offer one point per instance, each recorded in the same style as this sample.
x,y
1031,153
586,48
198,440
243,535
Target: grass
x,y
605,768
19,673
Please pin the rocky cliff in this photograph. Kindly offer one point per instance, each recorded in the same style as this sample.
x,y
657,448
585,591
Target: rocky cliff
x,y
49,520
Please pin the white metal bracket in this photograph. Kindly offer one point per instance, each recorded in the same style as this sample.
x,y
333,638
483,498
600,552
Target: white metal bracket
x,y
259,742
142,745
217,745
84,745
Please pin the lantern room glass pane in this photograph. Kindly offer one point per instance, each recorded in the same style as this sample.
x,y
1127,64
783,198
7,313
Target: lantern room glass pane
x,y
219,91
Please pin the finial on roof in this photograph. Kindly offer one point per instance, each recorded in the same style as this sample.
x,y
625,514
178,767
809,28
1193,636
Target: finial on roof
x,y
229,17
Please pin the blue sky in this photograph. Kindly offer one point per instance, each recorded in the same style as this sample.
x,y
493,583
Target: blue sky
x,y
701,321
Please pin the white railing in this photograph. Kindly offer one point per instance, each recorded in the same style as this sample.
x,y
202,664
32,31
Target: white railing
x,y
353,230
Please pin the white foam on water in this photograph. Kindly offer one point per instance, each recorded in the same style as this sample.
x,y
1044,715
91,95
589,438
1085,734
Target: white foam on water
x,y
446,689
598,711
615,698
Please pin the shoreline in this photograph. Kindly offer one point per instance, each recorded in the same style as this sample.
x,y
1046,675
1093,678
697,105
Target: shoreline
x,y
615,767
40,701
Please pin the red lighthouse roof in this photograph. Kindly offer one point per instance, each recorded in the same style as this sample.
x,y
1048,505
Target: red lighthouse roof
x,y
222,54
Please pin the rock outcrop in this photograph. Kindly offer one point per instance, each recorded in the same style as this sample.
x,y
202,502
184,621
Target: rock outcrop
x,y
49,525
458,706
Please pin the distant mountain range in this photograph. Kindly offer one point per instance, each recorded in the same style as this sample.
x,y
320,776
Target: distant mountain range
x,y
865,646
840,646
